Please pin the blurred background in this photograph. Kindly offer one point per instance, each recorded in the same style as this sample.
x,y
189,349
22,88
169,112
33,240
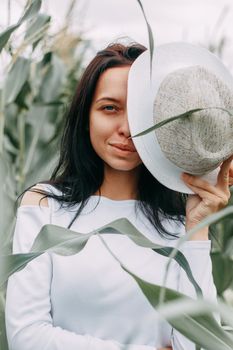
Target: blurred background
x,y
44,47
207,22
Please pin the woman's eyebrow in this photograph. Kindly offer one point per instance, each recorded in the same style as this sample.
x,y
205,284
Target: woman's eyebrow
x,y
108,99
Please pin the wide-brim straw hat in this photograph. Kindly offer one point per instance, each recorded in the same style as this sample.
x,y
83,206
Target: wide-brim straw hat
x,y
182,77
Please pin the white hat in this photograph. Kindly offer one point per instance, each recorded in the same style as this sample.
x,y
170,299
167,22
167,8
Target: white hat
x,y
184,77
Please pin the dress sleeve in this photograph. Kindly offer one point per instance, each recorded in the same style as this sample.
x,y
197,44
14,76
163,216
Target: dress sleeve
x,y
29,322
198,255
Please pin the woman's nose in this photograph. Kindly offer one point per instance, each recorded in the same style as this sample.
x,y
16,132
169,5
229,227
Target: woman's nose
x,y
124,126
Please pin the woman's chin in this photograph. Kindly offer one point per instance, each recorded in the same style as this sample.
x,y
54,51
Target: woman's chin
x,y
122,165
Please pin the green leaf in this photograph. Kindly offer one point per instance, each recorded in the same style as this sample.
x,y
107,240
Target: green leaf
x,y
23,98
6,186
16,79
171,309
12,263
31,11
222,271
150,35
202,329
51,238
11,129
180,116
66,242
44,165
49,104
4,36
62,241
36,28
9,147
194,324
229,245
3,337
53,81
209,220
124,226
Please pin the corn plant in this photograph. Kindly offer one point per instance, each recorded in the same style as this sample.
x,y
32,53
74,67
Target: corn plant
x,y
41,75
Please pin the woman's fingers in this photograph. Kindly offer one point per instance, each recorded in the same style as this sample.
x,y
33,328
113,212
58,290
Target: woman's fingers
x,y
207,198
201,184
226,171
231,170
224,180
210,199
231,174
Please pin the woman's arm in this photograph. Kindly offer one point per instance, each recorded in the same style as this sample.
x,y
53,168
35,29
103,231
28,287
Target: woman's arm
x,y
207,200
29,322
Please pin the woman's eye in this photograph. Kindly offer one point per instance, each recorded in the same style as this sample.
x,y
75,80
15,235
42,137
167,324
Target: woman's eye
x,y
109,108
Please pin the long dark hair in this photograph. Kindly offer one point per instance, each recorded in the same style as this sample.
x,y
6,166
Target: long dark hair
x,y
80,171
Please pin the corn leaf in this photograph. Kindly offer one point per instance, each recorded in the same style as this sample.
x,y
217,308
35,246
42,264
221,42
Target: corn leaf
x,y
223,271
53,81
150,35
16,79
180,116
202,329
62,241
36,28
5,35
69,242
29,13
3,338
123,226
209,220
6,201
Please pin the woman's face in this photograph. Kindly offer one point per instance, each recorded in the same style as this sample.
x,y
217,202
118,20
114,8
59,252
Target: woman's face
x,y
109,128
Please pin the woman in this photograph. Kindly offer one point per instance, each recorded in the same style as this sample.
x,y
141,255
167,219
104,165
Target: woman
x,y
86,301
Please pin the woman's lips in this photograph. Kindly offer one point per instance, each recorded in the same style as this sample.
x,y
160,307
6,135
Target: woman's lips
x,y
124,148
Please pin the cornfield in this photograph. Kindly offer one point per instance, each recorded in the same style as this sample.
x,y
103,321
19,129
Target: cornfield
x,y
40,76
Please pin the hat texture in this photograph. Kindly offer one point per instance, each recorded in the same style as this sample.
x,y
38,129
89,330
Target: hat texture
x,y
200,142
183,77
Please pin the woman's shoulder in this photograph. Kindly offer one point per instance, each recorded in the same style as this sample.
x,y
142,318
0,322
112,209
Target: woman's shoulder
x,y
32,197
41,195
36,203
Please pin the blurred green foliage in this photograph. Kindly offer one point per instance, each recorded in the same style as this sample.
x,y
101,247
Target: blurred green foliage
x,y
40,77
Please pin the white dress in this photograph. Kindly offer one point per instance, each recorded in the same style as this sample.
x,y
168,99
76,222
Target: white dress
x,y
86,301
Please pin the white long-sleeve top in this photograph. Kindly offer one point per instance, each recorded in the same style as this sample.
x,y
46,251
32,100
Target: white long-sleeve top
x,y
86,301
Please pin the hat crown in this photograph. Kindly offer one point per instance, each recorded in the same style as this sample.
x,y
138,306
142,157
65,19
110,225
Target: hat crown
x,y
196,144
200,142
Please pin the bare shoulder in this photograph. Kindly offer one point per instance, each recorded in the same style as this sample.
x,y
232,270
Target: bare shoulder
x,y
33,198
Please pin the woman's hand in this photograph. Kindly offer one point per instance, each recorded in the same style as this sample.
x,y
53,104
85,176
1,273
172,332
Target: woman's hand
x,y
169,348
208,199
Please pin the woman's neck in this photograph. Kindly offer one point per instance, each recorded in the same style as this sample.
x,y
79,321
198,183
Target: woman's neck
x,y
120,185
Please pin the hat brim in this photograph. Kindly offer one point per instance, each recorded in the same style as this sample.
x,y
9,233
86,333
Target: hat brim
x,y
142,89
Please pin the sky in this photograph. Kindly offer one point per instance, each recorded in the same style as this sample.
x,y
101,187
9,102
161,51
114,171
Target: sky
x,y
199,21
